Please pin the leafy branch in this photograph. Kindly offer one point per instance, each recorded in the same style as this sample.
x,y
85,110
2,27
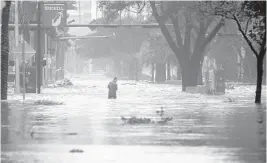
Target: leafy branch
x,y
245,36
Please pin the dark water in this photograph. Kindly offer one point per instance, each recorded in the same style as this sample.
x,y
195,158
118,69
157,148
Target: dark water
x,y
204,129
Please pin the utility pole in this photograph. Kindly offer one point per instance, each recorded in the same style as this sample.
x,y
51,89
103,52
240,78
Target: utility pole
x,y
45,77
38,53
96,10
23,60
75,59
57,59
79,11
17,63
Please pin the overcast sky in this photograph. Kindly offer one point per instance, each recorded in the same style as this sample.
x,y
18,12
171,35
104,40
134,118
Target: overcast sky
x,y
75,14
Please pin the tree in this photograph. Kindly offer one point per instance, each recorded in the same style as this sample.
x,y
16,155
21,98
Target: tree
x,y
27,13
250,17
123,46
229,52
157,52
147,57
256,11
189,48
4,49
191,33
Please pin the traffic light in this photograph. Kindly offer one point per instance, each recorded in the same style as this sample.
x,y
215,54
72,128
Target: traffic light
x,y
71,5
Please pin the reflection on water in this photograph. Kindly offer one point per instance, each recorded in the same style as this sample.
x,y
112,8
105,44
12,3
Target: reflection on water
x,y
208,129
261,109
4,123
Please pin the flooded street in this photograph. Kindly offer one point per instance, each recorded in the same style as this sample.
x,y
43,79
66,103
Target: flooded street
x,y
204,129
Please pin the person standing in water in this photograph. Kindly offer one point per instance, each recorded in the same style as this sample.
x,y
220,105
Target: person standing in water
x,y
112,89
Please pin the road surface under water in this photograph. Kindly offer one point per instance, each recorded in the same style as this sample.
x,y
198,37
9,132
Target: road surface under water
x,y
204,129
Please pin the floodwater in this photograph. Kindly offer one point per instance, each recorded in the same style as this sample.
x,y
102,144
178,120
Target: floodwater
x,y
204,129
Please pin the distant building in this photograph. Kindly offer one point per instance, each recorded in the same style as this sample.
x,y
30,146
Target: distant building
x,y
86,9
83,15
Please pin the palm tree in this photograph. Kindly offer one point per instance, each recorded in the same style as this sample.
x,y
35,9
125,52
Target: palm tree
x,y
4,49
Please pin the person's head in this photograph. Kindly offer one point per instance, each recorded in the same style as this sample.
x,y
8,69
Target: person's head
x,y
115,79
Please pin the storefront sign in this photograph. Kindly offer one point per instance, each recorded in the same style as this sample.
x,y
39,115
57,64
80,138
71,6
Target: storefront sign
x,y
54,15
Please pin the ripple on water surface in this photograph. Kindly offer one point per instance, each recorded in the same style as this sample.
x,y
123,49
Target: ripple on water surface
x,y
204,128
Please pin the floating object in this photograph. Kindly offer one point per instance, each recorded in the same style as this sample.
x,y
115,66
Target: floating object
x,y
76,151
134,120
72,133
230,100
165,120
62,83
161,112
47,102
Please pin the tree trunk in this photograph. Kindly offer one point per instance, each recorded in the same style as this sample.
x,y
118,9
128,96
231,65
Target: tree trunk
x,y
264,74
189,79
152,72
160,72
137,70
200,77
178,73
190,73
259,77
169,69
126,69
183,81
131,71
4,49
123,68
116,67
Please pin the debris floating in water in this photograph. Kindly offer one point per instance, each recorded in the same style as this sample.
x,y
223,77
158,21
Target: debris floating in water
x,y
76,151
47,102
161,112
230,100
134,120
72,133
61,83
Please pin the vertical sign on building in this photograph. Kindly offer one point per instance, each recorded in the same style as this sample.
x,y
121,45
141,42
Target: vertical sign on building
x,y
54,15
